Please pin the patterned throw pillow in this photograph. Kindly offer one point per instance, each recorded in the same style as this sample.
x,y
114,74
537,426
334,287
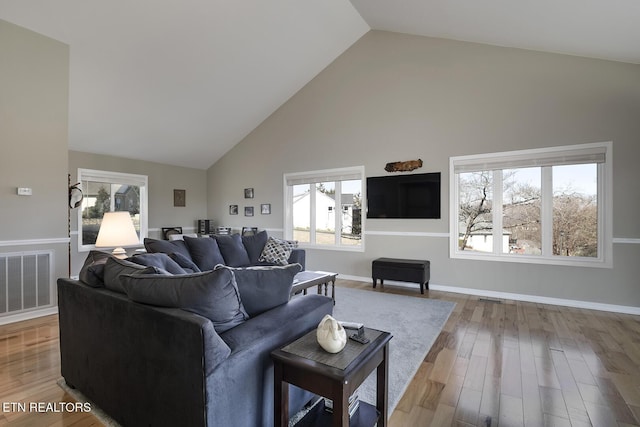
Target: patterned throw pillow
x,y
277,251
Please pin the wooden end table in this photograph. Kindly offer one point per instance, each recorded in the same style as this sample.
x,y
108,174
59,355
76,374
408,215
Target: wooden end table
x,y
307,279
335,376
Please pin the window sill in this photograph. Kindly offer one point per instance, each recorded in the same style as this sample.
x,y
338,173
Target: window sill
x,y
528,259
332,247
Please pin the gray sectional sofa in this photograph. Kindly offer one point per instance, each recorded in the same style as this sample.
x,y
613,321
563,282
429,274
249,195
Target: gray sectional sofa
x,y
232,250
153,348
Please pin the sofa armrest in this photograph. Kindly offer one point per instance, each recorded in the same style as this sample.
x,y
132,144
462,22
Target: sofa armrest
x,y
113,350
298,256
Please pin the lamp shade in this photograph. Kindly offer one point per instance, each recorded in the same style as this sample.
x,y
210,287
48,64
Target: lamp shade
x,y
116,231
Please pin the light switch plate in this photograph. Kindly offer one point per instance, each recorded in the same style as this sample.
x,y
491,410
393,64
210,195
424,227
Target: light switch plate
x,y
24,191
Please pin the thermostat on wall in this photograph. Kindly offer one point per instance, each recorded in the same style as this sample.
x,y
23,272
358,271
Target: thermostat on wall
x,y
25,191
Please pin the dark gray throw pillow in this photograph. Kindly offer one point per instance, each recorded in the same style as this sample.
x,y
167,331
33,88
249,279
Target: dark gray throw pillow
x,y
204,252
160,260
92,272
233,251
115,267
263,288
166,246
186,263
254,245
212,294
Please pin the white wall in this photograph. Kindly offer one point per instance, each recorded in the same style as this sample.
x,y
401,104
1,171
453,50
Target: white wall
x,y
162,180
394,97
34,101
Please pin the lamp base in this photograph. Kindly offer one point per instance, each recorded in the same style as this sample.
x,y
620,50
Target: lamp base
x,y
119,253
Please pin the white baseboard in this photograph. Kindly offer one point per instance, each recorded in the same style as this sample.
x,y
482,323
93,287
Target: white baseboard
x,y
28,315
624,309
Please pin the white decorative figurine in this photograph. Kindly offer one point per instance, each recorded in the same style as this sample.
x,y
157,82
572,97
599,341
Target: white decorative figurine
x,y
331,335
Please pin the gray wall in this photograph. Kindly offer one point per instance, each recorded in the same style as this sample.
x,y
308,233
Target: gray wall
x,y
398,97
34,87
163,179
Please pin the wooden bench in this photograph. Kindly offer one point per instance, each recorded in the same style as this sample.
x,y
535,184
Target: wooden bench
x,y
402,270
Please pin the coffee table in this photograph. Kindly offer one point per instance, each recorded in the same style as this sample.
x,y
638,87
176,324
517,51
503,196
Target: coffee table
x,y
306,279
335,376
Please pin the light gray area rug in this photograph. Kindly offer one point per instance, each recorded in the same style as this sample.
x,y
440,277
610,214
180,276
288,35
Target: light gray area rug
x,y
414,322
105,419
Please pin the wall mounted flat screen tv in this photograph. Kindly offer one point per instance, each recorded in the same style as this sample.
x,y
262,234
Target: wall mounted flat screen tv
x,y
404,196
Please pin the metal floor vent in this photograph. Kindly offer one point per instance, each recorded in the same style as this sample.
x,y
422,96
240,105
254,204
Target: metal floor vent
x,y
497,301
25,281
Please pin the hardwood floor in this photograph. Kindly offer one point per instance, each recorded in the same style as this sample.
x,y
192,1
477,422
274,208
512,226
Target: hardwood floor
x,y
29,371
503,363
509,363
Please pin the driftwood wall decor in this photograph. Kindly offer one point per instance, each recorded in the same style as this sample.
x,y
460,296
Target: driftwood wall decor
x,y
407,166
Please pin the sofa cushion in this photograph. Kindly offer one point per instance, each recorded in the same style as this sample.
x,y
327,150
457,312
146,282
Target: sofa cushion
x,y
212,294
186,263
233,251
159,260
254,245
92,272
204,252
167,247
277,251
262,288
115,267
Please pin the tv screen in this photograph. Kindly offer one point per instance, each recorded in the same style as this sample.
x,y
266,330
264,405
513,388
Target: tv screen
x,y
404,196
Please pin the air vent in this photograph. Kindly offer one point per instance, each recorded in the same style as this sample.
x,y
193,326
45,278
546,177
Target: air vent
x,y
497,301
25,281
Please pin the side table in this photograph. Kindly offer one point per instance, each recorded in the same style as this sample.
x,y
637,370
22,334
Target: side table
x,y
335,376
307,279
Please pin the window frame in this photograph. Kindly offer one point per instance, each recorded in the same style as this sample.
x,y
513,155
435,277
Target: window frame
x,y
142,181
543,158
313,178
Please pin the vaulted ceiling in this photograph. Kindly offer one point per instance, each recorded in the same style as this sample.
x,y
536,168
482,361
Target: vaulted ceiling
x,y
182,82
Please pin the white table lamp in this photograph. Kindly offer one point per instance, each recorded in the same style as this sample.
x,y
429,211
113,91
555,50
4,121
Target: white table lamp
x,y
116,231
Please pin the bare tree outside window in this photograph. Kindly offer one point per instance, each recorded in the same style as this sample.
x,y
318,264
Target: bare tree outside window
x,y
575,214
475,206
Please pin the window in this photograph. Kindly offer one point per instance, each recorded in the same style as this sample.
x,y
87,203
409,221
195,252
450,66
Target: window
x,y
549,205
323,209
110,191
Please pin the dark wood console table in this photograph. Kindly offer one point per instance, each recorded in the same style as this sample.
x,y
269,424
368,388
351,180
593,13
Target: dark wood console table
x,y
335,376
403,270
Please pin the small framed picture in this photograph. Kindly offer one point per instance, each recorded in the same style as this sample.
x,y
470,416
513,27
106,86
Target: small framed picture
x,y
179,198
248,211
233,209
248,193
265,208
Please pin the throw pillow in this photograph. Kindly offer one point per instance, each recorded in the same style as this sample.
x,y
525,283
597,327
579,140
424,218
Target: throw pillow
x,y
204,252
186,263
254,245
277,251
159,260
233,251
165,246
263,288
92,272
115,267
212,294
